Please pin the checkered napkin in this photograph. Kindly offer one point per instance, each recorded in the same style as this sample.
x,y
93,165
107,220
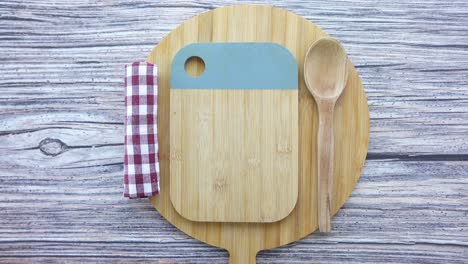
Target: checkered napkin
x,y
141,161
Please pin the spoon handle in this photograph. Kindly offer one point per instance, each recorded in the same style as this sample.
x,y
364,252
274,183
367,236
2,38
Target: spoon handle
x,y
325,163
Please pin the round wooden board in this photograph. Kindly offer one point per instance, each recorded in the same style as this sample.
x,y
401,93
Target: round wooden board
x,y
255,23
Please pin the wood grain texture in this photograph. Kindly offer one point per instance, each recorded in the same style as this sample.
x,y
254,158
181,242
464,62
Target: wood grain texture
x,y
61,105
233,149
233,154
244,240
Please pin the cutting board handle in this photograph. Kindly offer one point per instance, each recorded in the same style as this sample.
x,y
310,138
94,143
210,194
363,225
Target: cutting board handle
x,y
242,256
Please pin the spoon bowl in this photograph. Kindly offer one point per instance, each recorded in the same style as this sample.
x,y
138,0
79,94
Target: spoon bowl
x,y
325,68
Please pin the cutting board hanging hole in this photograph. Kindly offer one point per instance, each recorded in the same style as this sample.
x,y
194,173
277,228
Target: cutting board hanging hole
x,y
194,66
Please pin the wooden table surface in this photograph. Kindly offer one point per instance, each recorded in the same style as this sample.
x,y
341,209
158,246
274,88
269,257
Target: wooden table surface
x,y
61,133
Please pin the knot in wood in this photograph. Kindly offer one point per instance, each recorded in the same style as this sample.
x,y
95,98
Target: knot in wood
x,y
52,146
220,184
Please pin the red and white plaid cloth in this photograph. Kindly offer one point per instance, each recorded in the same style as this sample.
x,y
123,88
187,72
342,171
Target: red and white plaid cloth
x,y
141,162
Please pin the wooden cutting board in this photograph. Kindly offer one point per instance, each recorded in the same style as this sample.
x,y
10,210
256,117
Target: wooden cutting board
x,y
234,133
243,23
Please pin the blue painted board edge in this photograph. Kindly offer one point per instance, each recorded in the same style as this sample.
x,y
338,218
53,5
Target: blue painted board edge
x,y
237,65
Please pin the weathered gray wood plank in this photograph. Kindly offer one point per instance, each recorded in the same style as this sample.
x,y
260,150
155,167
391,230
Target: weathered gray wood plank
x,y
61,132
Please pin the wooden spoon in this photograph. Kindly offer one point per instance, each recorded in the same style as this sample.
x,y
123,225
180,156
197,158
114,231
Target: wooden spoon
x,y
326,74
